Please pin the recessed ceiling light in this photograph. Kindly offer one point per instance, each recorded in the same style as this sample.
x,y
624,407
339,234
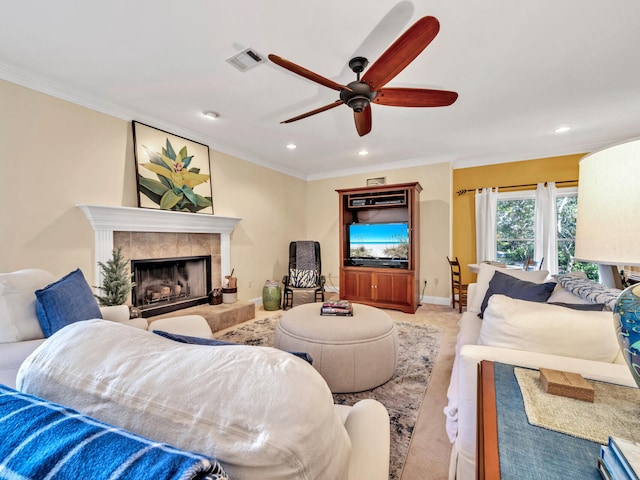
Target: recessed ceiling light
x,y
292,146
564,128
211,114
363,153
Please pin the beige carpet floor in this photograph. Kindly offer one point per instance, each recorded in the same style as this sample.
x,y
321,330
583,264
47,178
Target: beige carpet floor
x,y
428,457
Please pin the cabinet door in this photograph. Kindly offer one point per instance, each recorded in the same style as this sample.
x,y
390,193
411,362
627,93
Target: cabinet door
x,y
356,285
392,288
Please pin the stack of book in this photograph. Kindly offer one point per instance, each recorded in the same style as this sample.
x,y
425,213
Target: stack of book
x,y
619,460
341,308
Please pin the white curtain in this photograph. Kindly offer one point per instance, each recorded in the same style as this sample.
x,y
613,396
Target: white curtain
x,y
546,229
486,207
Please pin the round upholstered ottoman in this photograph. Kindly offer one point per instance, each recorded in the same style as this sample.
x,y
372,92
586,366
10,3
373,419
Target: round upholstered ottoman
x,y
352,354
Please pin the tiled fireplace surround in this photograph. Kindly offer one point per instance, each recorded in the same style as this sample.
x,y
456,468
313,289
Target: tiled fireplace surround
x,y
145,233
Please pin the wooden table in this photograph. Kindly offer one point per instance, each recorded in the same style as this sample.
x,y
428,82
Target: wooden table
x,y
487,459
502,425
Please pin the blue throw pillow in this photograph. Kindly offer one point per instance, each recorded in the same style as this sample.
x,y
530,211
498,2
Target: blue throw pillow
x,y
216,343
513,287
66,301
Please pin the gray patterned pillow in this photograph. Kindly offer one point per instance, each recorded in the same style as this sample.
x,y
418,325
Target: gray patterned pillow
x,y
303,278
588,289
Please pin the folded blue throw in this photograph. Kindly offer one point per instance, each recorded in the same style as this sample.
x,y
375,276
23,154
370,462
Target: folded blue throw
x,y
41,440
216,343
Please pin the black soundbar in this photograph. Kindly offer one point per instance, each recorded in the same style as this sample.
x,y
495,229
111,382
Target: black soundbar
x,y
377,262
372,202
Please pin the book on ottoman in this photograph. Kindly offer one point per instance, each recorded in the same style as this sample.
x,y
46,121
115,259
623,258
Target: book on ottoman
x,y
337,308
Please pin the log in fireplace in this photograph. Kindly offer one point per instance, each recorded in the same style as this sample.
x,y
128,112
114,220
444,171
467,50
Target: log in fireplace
x,y
166,284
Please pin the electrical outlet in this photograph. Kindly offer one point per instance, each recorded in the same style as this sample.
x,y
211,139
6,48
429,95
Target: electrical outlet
x,y
250,283
436,281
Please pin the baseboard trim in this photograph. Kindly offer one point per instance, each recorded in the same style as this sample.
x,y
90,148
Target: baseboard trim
x,y
436,300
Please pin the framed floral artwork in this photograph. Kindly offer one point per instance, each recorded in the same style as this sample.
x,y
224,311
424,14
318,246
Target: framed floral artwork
x,y
173,173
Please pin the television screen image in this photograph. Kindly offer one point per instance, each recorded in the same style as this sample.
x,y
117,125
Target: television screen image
x,y
379,240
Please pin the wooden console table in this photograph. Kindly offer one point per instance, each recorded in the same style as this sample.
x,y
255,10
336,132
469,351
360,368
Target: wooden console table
x,y
487,460
517,449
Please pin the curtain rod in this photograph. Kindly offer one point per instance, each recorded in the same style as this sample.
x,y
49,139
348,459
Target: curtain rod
x,y
466,190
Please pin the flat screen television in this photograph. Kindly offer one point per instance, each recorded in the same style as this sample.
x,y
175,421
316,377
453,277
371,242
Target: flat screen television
x,y
379,244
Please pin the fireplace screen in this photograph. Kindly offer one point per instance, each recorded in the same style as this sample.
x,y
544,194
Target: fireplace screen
x,y
166,284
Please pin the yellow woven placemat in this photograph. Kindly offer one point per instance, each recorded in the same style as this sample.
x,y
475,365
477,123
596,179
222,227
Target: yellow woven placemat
x,y
615,410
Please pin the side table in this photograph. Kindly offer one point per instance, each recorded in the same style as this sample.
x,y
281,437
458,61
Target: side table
x,y
508,447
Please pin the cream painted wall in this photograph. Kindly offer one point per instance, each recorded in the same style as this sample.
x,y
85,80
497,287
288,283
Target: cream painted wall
x,y
56,154
435,213
272,207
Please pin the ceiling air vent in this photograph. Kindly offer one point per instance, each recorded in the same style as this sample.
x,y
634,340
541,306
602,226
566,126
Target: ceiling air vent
x,y
246,59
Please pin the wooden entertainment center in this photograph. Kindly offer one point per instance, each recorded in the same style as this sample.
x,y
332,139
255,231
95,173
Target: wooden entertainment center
x,y
391,280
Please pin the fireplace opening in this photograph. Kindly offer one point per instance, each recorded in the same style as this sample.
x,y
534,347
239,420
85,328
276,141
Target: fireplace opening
x,y
166,284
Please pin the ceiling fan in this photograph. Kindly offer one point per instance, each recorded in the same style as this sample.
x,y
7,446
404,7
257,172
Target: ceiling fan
x,y
360,93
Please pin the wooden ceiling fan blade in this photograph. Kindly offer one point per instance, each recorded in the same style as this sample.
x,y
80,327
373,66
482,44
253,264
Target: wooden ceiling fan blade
x,y
313,112
415,97
308,74
402,52
363,121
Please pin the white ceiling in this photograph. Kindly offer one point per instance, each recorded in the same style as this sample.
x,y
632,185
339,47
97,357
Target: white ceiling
x,y
521,70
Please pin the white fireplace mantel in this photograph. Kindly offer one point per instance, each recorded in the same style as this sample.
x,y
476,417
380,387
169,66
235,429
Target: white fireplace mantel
x,y
106,219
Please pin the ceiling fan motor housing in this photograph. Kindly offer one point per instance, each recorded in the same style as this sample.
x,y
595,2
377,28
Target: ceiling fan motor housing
x,y
359,97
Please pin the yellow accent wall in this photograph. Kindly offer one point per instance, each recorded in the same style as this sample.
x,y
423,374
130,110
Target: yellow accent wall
x,y
552,169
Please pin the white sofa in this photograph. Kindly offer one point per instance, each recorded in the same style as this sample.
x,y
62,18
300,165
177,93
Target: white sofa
x,y
528,335
20,331
365,426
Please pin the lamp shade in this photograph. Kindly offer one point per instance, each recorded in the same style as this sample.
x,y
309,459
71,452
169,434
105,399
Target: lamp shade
x,y
608,223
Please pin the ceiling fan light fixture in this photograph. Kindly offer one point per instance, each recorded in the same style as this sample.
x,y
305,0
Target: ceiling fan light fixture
x,y
358,103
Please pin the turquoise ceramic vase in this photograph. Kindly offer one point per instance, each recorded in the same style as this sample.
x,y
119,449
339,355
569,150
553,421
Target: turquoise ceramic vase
x,y
626,316
271,295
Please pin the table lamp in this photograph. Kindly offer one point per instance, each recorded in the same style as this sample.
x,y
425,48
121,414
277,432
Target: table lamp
x,y
608,230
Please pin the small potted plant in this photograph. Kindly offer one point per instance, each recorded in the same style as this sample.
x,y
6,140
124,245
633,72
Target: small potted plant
x,y
116,283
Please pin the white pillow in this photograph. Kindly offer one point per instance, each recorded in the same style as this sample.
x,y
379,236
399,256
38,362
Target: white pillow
x,y
485,274
263,412
544,328
18,317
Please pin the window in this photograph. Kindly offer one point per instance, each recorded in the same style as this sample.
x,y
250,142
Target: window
x,y
566,213
516,235
515,232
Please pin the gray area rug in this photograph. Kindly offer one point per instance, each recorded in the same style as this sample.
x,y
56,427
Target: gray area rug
x,y
402,395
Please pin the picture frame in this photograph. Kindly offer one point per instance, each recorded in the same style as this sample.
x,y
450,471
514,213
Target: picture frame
x,y
372,182
172,172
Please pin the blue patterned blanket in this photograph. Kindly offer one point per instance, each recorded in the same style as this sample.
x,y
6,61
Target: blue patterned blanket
x,y
41,440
